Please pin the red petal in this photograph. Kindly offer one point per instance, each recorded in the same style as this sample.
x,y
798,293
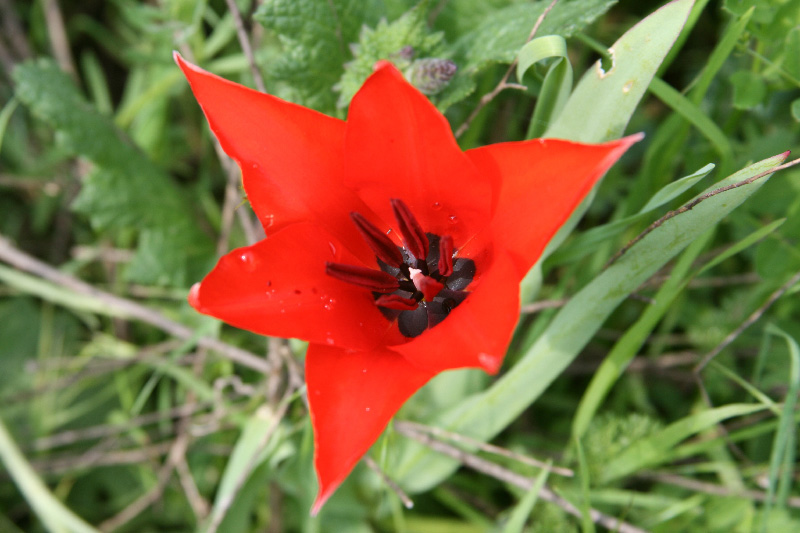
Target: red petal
x,y
279,287
539,184
399,146
352,396
477,332
291,157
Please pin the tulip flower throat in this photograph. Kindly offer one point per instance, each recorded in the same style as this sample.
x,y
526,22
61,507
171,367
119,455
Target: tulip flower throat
x,y
419,283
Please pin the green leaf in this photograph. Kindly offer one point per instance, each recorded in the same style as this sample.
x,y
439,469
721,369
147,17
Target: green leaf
x,y
749,89
125,190
316,37
54,515
653,450
694,115
504,31
557,83
402,41
484,415
589,241
603,102
781,464
525,506
247,454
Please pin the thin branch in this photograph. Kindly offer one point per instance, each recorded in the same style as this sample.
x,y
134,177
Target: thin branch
x,y
503,84
244,41
126,308
370,462
748,322
691,205
711,488
508,476
176,452
536,307
484,446
58,37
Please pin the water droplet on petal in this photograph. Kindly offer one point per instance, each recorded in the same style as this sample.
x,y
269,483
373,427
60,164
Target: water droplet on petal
x,y
436,206
367,409
329,341
248,261
333,248
453,219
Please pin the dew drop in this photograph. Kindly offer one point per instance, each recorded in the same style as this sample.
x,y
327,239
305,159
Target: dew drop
x,y
333,248
364,370
436,206
269,283
453,219
367,409
329,341
248,261
268,221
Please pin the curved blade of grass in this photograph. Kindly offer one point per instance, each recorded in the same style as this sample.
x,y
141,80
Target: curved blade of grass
x,y
525,506
486,414
603,101
557,82
54,515
589,241
692,113
781,463
626,348
653,450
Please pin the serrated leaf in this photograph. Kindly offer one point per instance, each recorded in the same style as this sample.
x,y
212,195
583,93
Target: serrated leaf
x,y
316,35
749,89
400,41
125,189
504,31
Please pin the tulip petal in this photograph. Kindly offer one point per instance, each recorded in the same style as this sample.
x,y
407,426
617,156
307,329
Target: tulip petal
x,y
399,146
352,396
477,332
279,287
291,156
539,183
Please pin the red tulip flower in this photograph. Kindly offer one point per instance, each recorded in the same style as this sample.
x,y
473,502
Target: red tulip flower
x,y
395,254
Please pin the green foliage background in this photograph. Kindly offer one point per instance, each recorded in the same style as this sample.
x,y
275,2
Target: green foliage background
x,y
136,414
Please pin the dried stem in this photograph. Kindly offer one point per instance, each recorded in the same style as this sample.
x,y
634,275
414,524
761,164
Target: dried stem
x,y
244,41
711,488
748,322
503,474
370,462
484,446
58,37
503,84
122,307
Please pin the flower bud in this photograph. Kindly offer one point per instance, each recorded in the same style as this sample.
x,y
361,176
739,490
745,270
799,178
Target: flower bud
x,y
431,75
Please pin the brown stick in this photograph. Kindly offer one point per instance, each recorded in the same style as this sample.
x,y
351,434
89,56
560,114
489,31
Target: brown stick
x,y
503,474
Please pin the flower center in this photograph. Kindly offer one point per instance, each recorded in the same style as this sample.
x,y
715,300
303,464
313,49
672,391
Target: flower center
x,y
419,283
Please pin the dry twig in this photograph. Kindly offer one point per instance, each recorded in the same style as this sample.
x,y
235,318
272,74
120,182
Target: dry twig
x,y
503,474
